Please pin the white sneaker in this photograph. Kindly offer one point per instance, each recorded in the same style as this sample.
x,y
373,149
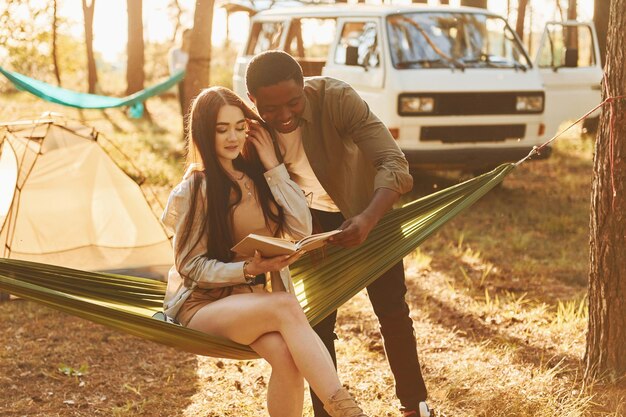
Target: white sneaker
x,y
424,410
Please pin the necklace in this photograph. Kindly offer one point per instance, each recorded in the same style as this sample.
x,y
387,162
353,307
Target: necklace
x,y
246,183
243,174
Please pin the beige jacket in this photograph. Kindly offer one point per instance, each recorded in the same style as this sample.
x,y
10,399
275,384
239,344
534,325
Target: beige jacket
x,y
211,273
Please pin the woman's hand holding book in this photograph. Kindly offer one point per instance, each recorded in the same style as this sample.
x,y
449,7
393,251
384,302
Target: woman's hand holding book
x,y
259,265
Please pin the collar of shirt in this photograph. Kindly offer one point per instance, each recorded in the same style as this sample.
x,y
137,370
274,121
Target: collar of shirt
x,y
307,114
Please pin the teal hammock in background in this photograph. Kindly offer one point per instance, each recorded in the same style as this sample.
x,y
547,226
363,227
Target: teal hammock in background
x,y
70,98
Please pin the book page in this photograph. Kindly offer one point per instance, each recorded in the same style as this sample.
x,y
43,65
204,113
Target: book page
x,y
268,246
315,241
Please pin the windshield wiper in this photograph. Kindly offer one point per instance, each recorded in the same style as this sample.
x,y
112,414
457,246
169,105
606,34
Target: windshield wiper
x,y
509,64
486,59
423,62
472,61
517,66
456,64
433,63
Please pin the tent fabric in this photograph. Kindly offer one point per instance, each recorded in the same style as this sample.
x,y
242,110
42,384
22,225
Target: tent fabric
x,y
322,284
63,201
70,98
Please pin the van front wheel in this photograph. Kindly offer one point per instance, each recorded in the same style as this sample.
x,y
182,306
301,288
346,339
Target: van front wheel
x,y
590,125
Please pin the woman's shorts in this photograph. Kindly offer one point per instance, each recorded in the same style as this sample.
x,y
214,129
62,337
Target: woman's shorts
x,y
201,297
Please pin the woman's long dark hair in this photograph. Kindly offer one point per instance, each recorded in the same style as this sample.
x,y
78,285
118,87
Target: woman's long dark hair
x,y
217,204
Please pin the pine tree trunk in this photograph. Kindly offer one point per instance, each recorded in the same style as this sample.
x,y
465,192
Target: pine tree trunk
x,y
199,63
174,4
474,3
572,10
571,39
521,16
606,338
55,61
601,10
92,75
135,77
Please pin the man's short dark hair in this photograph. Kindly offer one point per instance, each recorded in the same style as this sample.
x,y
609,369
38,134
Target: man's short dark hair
x,y
270,68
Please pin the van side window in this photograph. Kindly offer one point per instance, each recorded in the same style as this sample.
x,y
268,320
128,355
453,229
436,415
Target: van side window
x,y
264,36
358,45
308,40
567,46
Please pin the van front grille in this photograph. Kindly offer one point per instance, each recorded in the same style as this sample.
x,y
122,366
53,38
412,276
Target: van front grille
x,y
465,134
471,104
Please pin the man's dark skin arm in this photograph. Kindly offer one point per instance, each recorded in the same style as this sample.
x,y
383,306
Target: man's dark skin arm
x,y
357,228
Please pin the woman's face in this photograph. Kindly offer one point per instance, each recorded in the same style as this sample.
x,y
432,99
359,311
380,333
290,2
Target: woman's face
x,y
230,134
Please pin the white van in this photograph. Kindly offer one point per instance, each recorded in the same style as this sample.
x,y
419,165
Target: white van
x,y
454,86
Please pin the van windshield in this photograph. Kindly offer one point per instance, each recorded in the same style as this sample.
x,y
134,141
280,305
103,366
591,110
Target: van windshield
x,y
453,40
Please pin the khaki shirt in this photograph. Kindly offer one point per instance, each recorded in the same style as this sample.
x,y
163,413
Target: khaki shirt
x,y
350,150
212,273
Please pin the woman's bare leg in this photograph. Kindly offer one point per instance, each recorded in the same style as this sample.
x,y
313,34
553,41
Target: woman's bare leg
x,y
243,318
285,391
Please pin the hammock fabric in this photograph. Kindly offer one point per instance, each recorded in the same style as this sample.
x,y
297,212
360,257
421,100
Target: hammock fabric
x,y
322,285
70,98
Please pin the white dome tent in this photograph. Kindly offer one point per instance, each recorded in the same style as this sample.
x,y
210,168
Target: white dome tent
x,y
63,201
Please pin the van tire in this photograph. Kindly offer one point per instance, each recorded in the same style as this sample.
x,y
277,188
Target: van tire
x,y
590,125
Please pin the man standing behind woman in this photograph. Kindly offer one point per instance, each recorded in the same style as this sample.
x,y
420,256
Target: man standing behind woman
x,y
236,186
352,172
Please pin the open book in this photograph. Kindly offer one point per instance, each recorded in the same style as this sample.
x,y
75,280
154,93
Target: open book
x,y
275,246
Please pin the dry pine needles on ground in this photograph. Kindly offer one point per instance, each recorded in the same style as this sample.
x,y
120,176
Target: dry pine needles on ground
x,y
498,300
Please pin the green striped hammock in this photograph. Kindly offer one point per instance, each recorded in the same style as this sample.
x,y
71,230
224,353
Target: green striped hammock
x,y
71,98
128,303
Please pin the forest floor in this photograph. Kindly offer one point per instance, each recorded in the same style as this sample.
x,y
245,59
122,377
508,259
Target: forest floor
x,y
498,299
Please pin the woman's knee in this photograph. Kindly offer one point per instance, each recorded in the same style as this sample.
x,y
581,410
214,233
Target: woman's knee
x,y
287,307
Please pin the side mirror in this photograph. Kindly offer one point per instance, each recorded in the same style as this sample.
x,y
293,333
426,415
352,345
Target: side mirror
x,y
571,58
352,55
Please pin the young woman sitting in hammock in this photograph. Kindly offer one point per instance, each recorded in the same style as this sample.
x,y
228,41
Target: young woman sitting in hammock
x,y
234,186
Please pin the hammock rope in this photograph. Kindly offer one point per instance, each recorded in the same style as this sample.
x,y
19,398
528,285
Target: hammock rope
x,y
322,285
610,100
78,100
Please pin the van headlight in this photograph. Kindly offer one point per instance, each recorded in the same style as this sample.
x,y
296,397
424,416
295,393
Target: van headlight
x,y
416,105
529,103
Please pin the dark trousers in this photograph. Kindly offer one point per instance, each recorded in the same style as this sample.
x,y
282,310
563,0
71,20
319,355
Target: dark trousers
x,y
387,297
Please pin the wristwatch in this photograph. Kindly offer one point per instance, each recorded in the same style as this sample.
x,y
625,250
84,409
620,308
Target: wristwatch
x,y
246,275
252,279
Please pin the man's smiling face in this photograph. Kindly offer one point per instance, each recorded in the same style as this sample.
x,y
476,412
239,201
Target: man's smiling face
x,y
280,105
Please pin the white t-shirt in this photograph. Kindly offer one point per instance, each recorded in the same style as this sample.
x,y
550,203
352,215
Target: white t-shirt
x,y
297,163
177,60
